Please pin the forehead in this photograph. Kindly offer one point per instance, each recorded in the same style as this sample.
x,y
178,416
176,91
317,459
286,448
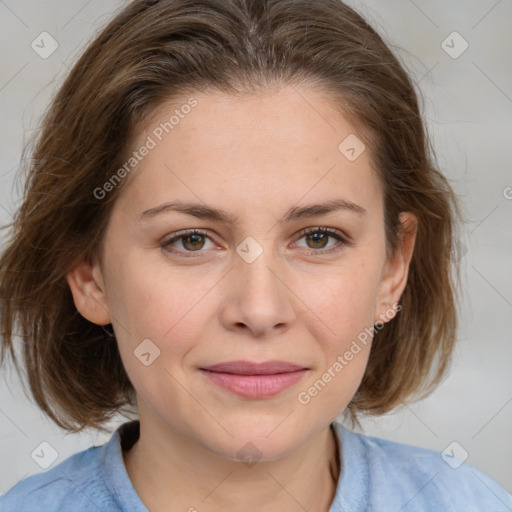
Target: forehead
x,y
278,145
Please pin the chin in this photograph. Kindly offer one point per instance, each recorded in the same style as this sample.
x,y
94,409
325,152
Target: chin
x,y
263,442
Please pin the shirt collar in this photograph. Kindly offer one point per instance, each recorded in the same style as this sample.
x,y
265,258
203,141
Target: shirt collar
x,y
117,479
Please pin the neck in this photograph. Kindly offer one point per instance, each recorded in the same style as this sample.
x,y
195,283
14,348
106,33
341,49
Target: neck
x,y
169,472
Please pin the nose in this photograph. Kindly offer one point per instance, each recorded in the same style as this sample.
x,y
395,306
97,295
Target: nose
x,y
259,301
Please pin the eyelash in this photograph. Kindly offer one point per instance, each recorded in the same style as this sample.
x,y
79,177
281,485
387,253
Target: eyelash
x,y
326,231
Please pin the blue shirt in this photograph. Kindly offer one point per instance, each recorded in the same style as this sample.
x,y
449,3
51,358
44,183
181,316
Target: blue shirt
x,y
376,476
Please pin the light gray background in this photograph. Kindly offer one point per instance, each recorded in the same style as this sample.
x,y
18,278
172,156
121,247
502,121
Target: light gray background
x,y
468,104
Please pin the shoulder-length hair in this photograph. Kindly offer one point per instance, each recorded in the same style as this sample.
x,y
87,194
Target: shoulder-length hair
x,y
151,52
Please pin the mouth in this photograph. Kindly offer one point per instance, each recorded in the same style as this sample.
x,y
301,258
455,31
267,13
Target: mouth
x,y
251,368
254,380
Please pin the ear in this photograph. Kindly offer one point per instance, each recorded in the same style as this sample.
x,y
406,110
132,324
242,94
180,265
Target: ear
x,y
88,289
396,270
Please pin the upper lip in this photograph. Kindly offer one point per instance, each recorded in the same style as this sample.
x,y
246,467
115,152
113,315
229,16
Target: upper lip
x,y
250,368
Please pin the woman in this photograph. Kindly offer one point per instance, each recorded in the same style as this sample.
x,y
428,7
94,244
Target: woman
x,y
233,221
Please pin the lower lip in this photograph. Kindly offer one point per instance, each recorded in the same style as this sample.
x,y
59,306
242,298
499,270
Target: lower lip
x,y
254,386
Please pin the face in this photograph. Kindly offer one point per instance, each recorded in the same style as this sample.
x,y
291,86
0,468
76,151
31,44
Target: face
x,y
264,279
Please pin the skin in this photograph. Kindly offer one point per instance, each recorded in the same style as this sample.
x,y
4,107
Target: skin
x,y
254,156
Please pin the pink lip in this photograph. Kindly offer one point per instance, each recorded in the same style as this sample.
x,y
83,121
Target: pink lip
x,y
249,368
254,380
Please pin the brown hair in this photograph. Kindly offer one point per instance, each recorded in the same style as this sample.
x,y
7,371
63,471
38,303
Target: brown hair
x,y
151,52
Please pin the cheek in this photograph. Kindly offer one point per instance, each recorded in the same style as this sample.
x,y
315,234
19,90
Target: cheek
x,y
341,319
344,301
167,312
152,302
345,332
333,385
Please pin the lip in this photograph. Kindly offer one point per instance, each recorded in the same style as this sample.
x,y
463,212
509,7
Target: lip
x,y
251,368
254,380
254,386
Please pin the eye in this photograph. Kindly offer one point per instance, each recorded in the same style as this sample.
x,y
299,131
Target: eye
x,y
190,241
186,243
317,239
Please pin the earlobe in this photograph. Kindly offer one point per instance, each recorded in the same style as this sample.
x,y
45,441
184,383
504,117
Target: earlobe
x,y
394,278
88,289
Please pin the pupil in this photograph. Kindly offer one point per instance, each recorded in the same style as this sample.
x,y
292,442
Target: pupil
x,y
319,238
194,239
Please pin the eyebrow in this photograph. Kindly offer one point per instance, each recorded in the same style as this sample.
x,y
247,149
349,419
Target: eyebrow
x,y
202,211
